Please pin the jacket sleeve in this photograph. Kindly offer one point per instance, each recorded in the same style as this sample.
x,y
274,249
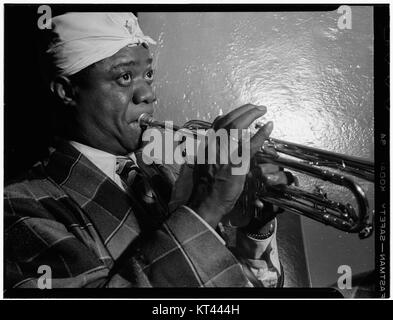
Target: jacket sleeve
x,y
259,258
183,253
42,251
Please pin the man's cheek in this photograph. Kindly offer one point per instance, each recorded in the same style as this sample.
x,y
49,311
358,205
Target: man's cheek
x,y
123,97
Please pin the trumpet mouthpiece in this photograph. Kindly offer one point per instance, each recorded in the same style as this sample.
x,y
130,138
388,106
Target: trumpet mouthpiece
x,y
144,119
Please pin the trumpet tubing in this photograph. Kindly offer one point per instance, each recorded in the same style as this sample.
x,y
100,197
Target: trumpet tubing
x,y
312,162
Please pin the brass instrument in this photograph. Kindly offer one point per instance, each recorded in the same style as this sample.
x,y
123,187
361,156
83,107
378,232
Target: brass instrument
x,y
312,205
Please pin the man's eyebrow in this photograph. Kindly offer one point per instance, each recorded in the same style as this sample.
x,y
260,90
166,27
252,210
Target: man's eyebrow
x,y
122,64
129,63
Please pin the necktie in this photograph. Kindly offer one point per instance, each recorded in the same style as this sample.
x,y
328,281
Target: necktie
x,y
133,179
137,185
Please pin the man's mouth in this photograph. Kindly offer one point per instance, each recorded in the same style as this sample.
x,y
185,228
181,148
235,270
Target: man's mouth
x,y
134,125
137,129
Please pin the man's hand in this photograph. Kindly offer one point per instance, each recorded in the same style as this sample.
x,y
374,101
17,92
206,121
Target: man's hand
x,y
270,175
216,189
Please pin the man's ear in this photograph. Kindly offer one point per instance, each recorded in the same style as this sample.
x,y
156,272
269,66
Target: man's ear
x,y
64,89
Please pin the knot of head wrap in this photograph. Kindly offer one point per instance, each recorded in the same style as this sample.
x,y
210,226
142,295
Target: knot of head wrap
x,y
81,39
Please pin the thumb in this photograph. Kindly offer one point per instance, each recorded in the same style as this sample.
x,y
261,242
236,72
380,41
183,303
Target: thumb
x,y
260,137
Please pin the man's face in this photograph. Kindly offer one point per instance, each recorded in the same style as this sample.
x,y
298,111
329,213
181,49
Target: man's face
x,y
112,95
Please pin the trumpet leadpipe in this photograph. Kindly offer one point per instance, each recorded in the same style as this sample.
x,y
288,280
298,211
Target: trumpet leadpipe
x,y
147,120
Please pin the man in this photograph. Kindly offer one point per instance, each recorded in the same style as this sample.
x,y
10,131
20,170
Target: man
x,y
95,214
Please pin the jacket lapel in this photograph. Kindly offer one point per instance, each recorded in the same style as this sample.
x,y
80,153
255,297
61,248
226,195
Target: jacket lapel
x,y
113,213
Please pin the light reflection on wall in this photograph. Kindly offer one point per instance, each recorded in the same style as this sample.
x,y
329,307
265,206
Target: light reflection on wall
x,y
316,80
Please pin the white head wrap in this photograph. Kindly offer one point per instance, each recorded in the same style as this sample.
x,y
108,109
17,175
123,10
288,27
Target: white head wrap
x,y
82,39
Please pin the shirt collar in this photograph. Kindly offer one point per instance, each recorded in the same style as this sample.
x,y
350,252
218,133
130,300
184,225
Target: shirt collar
x,y
103,160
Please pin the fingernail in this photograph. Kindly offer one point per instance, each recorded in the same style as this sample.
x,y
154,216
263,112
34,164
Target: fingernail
x,y
259,204
272,178
269,127
262,108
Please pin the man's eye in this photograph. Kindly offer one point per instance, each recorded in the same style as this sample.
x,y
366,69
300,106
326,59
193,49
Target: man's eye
x,y
125,79
149,75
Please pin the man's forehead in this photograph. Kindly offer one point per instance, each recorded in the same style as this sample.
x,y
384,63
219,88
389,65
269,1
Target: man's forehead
x,y
135,55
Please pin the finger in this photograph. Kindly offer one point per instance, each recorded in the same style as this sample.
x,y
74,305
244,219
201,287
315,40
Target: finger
x,y
268,168
216,120
223,121
259,204
244,120
267,148
277,178
260,137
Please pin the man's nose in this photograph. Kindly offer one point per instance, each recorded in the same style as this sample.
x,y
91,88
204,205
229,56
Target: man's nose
x,y
143,93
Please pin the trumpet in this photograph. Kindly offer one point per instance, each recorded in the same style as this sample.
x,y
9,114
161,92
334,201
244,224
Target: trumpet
x,y
312,162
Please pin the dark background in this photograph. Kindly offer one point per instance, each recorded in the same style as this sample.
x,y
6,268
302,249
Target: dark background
x,y
27,102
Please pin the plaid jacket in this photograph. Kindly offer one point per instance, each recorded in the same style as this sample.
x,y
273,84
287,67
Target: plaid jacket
x,y
68,215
